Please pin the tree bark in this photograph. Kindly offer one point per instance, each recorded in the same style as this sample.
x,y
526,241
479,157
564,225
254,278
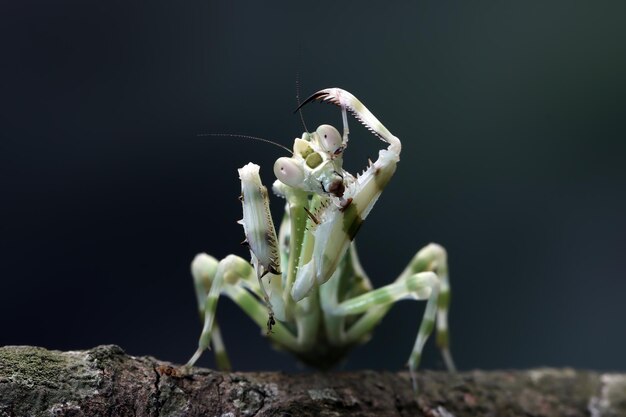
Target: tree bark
x,y
104,381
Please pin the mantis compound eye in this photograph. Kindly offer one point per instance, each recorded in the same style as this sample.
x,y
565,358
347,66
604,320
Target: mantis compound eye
x,y
329,138
288,172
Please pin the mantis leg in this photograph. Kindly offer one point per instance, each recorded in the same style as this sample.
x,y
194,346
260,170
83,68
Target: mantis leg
x,y
424,278
203,270
434,258
236,278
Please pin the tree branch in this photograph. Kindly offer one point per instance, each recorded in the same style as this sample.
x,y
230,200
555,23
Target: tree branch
x,y
104,381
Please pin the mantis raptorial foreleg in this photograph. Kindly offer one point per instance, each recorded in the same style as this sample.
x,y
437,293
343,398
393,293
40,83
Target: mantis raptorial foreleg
x,y
339,226
262,240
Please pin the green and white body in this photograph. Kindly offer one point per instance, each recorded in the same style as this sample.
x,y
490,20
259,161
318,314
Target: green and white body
x,y
306,284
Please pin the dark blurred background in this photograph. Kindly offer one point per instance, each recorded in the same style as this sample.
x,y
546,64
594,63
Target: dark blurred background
x,y
513,121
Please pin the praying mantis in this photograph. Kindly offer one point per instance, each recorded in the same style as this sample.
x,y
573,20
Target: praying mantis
x,y
306,285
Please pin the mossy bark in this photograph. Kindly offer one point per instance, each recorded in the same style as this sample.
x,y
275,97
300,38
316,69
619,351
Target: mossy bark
x,y
104,381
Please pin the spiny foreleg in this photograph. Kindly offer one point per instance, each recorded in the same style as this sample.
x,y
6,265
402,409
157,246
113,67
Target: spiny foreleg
x,y
349,102
339,224
261,239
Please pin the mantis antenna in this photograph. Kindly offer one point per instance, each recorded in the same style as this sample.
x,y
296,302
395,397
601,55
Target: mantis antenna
x,y
298,101
247,137
298,87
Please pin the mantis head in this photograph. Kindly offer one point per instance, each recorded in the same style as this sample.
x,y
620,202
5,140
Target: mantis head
x,y
316,163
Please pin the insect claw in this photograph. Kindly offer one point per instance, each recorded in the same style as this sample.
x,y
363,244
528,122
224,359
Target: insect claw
x,y
320,95
245,243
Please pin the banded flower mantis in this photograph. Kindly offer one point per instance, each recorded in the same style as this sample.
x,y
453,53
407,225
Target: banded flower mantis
x,y
306,284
